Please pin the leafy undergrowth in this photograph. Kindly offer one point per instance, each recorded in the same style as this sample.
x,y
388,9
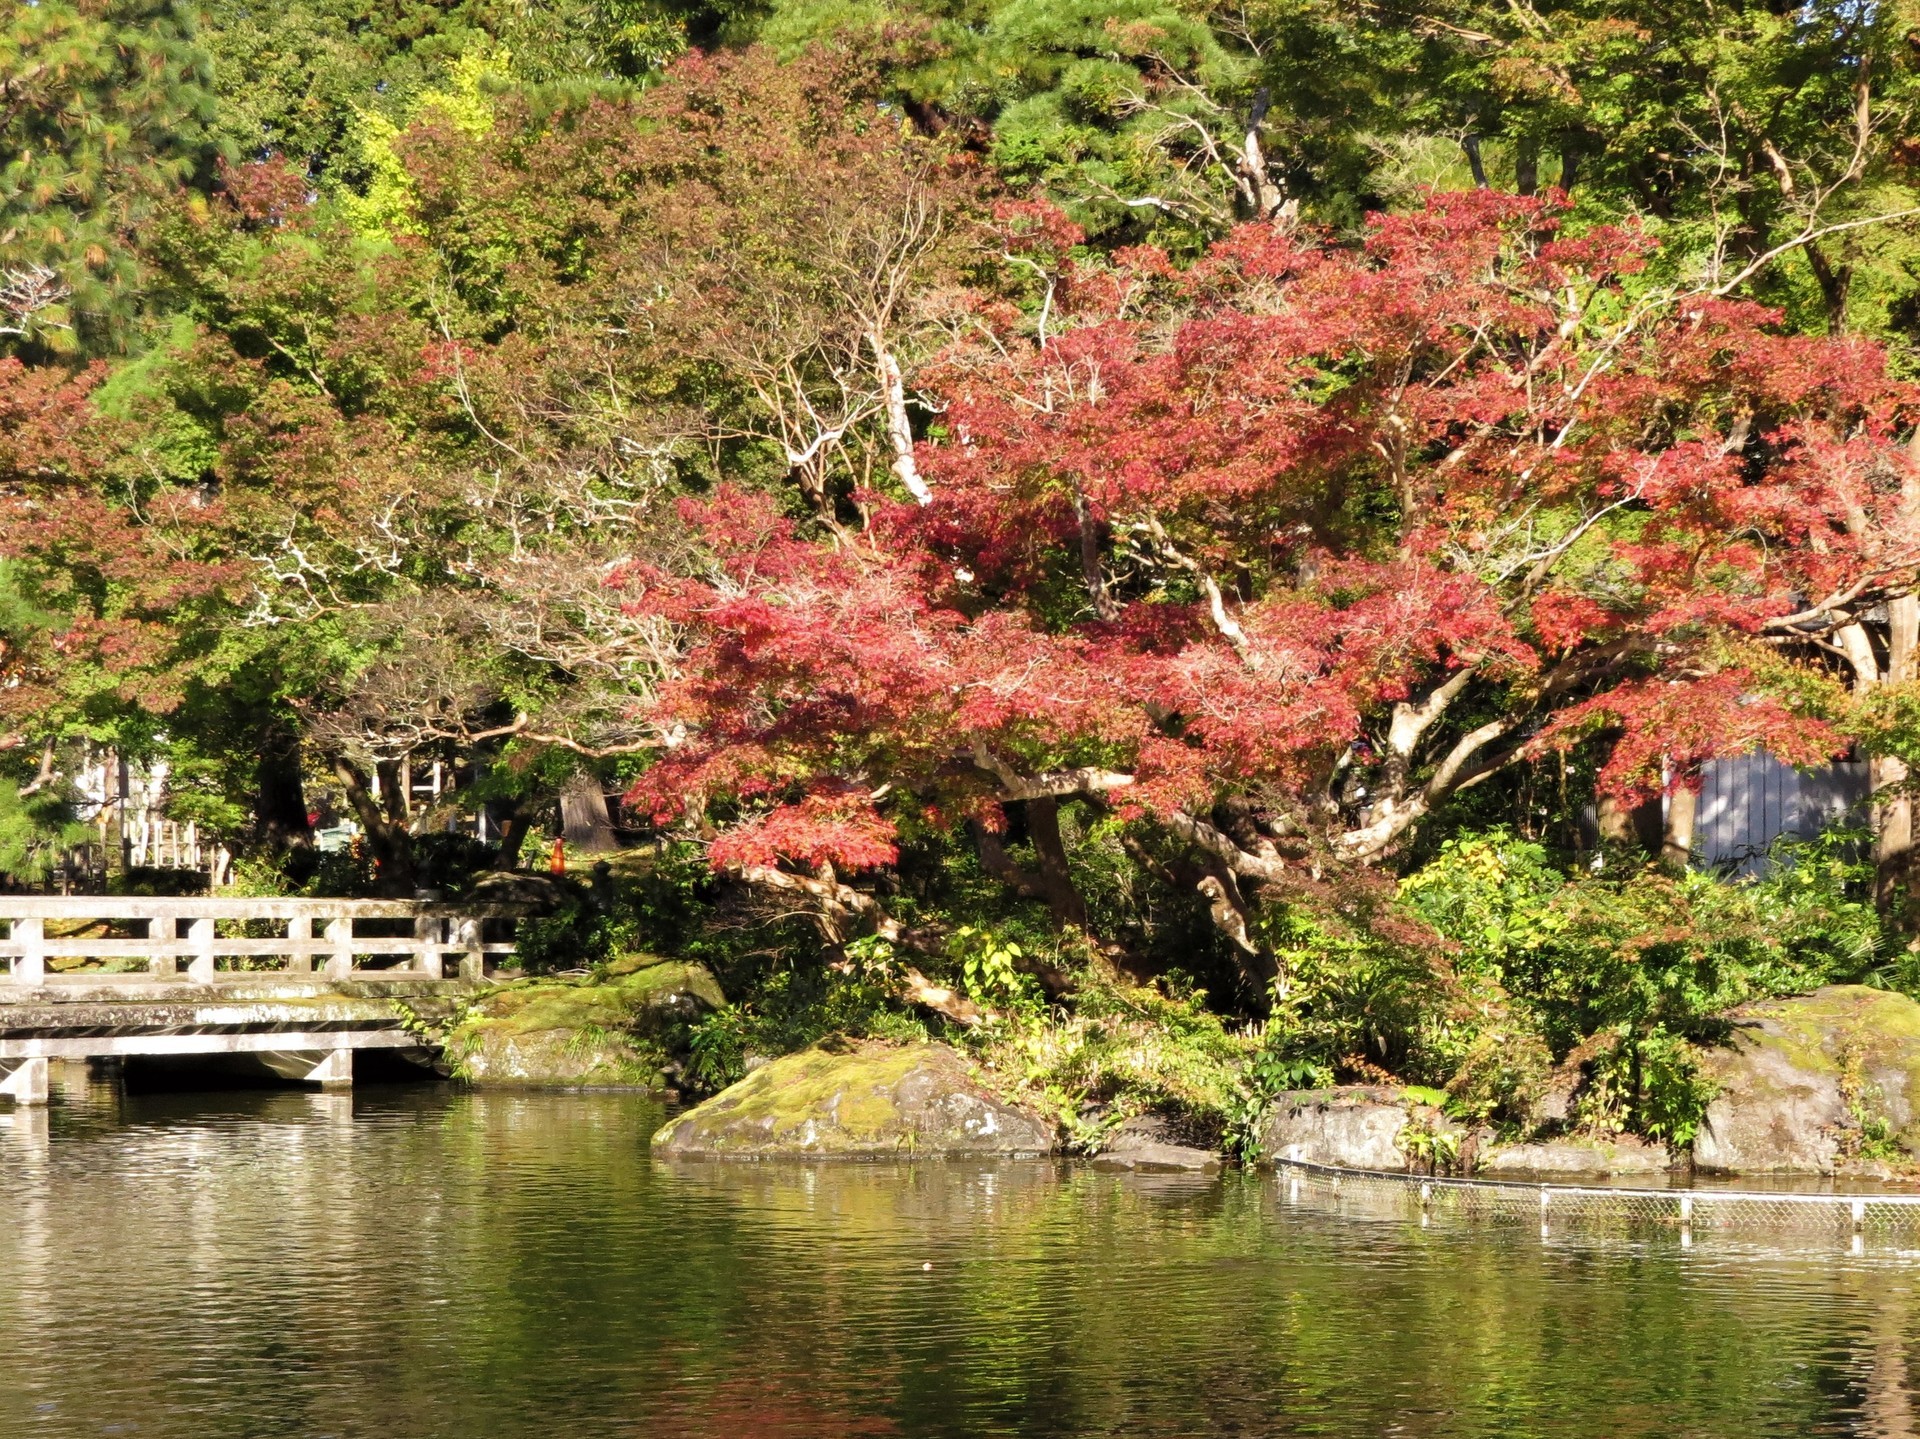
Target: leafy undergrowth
x,y
1523,995
1122,1050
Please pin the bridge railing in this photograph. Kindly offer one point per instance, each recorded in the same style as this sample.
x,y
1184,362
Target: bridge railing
x,y
136,941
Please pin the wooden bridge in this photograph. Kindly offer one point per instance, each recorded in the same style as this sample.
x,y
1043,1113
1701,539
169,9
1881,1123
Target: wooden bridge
x,y
299,983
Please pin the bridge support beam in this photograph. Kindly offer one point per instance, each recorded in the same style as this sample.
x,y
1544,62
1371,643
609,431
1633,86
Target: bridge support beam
x,y
25,1081
334,1071
328,1068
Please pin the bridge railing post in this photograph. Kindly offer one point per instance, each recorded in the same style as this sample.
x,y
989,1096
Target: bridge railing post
x,y
30,965
99,941
473,959
299,936
200,935
340,962
25,1082
426,929
163,932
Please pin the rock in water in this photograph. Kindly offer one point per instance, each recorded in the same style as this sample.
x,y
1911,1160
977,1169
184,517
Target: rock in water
x,y
872,1102
1355,1126
1148,1144
1805,1079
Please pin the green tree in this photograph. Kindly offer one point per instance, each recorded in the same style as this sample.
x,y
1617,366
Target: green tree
x,y
300,78
104,108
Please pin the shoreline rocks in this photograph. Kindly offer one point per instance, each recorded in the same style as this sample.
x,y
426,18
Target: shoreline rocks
x,y
1355,1126
1383,1128
1150,1144
870,1101
559,1033
1571,1160
1814,1084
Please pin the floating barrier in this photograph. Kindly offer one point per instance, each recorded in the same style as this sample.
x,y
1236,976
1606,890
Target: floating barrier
x,y
1383,1194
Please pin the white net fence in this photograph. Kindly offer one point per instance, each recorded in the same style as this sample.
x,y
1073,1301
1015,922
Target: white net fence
x,y
1384,1195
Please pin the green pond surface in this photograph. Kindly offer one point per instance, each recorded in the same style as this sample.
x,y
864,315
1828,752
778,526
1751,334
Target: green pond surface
x,y
432,1262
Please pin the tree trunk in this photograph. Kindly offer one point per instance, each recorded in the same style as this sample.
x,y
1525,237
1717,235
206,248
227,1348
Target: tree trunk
x,y
1471,144
1069,910
1526,165
391,783
1618,823
1091,568
280,799
1263,198
1892,836
584,821
392,846
893,389
1569,162
513,836
1051,882
1835,284
1893,852
1630,824
1676,844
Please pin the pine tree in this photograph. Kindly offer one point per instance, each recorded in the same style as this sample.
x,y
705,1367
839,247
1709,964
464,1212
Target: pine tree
x,y
104,105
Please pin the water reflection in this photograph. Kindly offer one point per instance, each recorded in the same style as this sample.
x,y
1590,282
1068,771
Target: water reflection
x,y
435,1263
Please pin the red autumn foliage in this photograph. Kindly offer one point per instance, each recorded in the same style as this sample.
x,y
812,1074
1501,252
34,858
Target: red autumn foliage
x,y
1328,533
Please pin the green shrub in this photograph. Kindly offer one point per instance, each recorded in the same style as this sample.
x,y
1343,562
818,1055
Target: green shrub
x,y
1624,970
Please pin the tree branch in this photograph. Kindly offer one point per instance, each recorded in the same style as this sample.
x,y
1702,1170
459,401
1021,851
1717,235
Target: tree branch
x,y
1055,784
831,895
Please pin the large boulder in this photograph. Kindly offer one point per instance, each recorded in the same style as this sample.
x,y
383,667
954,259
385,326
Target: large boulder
x,y
1807,1083
1354,1127
1573,1159
871,1101
595,1033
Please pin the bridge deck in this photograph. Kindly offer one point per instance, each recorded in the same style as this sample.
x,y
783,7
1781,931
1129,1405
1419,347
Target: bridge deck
x,y
300,982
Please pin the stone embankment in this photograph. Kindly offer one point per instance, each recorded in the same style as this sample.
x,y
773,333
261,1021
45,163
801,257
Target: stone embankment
x,y
1822,1084
1380,1127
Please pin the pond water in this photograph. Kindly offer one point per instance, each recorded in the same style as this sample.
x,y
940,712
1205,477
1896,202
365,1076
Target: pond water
x,y
429,1262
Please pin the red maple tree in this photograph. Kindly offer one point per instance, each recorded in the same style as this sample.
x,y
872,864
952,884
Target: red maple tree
x,y
1282,551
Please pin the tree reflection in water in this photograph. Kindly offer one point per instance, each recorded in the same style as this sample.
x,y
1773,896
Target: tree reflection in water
x,y
430,1262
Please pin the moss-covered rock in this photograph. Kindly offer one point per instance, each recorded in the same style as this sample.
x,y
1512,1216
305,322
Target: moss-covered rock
x,y
872,1101
1808,1084
600,1031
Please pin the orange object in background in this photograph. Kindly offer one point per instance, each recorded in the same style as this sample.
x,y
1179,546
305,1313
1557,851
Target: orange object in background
x,y
558,864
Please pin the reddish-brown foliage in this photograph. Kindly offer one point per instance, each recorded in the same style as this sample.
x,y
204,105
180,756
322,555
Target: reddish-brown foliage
x,y
1337,531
